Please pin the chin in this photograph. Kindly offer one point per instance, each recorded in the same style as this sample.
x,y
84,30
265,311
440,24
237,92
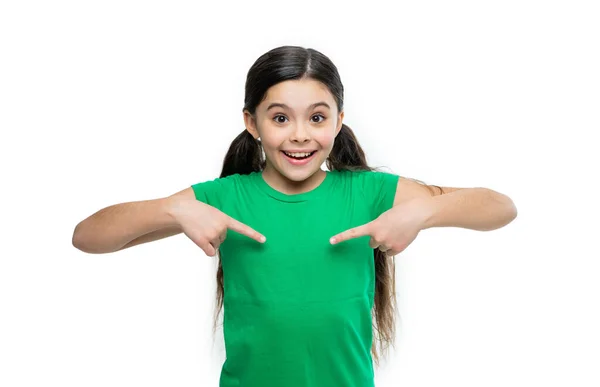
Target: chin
x,y
299,175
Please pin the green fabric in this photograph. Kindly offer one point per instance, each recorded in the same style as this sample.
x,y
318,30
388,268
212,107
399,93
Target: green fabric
x,y
297,310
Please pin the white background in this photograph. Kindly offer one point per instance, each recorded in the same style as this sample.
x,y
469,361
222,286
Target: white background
x,y
115,101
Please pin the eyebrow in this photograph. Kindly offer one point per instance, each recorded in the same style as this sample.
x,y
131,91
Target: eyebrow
x,y
314,105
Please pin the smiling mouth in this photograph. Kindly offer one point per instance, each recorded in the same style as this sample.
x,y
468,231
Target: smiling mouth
x,y
305,155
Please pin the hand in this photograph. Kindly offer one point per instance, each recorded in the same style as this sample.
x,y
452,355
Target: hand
x,y
394,230
207,227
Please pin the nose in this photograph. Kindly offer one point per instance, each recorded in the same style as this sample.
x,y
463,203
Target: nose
x,y
300,134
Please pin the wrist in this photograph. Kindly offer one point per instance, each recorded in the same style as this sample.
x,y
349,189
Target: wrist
x,y
172,206
427,210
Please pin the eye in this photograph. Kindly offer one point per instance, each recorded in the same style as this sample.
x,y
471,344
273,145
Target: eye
x,y
316,115
320,115
276,117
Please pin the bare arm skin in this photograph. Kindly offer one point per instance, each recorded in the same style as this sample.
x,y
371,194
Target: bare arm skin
x,y
124,225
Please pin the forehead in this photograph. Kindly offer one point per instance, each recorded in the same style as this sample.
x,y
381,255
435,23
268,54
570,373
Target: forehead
x,y
298,93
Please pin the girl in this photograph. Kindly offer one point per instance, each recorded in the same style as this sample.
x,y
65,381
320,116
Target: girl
x,y
300,308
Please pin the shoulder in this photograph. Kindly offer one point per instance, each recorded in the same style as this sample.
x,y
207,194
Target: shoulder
x,y
223,181
366,176
215,190
374,188
371,177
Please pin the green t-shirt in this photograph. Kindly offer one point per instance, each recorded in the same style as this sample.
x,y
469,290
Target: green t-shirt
x,y
297,310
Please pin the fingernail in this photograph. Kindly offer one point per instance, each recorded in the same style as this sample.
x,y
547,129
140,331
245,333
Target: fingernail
x,y
332,240
263,239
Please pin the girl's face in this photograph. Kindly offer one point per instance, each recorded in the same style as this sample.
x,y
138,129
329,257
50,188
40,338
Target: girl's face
x,y
308,123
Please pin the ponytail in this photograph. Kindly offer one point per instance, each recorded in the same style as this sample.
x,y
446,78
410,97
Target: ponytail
x,y
244,156
347,153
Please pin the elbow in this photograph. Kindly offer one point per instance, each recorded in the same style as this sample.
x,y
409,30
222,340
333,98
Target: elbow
x,y
510,209
80,242
511,214
513,211
77,240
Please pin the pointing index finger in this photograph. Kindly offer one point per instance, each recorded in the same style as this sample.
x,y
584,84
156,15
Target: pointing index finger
x,y
240,227
350,234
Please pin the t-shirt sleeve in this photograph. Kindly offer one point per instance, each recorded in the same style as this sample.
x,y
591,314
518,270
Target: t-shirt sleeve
x,y
379,189
214,192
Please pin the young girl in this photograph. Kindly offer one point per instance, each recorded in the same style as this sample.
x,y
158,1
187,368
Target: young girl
x,y
299,308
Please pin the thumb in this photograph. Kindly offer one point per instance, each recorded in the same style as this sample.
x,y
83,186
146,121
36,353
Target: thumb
x,y
355,232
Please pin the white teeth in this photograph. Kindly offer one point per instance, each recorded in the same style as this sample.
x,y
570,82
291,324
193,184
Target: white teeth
x,y
297,154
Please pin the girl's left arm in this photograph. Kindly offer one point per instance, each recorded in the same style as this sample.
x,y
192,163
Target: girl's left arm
x,y
418,207
478,208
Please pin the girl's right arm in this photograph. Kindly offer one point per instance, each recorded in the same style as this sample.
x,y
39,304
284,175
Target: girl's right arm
x,y
123,225
128,224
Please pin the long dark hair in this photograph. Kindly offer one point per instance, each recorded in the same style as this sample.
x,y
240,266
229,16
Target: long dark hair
x,y
245,156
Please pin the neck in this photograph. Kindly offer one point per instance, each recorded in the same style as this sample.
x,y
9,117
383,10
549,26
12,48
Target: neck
x,y
287,186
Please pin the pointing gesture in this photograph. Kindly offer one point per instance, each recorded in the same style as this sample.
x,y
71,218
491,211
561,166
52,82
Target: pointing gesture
x,y
392,232
207,227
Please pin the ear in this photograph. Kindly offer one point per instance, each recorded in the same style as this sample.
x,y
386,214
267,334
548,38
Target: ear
x,y
339,123
250,123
